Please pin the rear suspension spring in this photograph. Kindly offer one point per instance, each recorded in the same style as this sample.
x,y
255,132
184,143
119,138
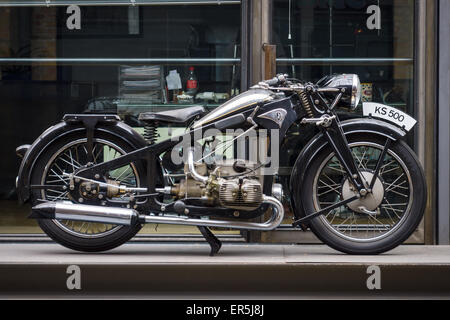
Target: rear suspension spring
x,y
151,132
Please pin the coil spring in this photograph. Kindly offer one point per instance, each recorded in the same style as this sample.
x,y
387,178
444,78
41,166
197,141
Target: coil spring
x,y
306,105
151,132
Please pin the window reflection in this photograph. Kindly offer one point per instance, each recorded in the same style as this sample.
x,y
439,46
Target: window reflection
x,y
315,38
48,70
333,37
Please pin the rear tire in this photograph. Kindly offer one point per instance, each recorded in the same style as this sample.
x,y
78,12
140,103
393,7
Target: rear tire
x,y
334,235
60,231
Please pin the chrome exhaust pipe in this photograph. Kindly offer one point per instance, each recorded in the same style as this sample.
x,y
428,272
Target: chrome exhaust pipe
x,y
274,221
112,215
192,171
87,213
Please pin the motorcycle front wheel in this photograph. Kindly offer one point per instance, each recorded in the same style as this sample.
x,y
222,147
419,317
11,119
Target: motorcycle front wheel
x,y
384,218
66,155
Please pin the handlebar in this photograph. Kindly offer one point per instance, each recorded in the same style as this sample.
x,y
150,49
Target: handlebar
x,y
278,79
280,83
272,82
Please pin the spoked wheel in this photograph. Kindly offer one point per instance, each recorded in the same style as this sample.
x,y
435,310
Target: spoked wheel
x,y
382,219
65,157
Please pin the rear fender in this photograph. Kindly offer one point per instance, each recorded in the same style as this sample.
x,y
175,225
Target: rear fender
x,y
69,125
309,152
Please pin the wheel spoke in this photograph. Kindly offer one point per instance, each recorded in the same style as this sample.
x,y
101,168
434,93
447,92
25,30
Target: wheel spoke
x,y
69,163
68,160
389,206
379,162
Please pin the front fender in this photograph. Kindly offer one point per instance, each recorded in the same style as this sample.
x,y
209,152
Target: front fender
x,y
63,128
308,153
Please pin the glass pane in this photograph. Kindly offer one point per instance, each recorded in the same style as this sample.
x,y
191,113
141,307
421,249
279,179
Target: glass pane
x,y
318,38
117,62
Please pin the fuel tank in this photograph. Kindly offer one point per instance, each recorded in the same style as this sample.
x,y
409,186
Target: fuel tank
x,y
241,103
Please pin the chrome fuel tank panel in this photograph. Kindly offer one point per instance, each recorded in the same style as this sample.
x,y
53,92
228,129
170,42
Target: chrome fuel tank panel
x,y
240,102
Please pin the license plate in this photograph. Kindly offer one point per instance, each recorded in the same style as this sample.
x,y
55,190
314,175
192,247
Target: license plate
x,y
397,117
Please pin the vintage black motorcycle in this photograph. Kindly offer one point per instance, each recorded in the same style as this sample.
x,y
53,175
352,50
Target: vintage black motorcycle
x,y
94,181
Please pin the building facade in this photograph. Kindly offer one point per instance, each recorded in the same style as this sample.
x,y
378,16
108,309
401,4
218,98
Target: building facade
x,y
59,57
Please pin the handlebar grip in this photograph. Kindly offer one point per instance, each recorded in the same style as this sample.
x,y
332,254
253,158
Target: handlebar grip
x,y
272,82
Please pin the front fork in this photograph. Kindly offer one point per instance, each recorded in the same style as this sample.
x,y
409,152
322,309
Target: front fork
x,y
336,138
332,130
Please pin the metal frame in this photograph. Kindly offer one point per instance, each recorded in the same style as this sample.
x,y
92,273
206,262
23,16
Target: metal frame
x,y
48,3
443,179
245,44
97,61
343,60
425,108
149,155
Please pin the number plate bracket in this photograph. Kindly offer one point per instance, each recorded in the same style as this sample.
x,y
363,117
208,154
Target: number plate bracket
x,y
388,113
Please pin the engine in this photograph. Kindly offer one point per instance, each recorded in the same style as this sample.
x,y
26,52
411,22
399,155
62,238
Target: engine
x,y
231,184
243,194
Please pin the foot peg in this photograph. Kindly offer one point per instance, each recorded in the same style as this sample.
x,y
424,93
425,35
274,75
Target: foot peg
x,y
324,120
211,239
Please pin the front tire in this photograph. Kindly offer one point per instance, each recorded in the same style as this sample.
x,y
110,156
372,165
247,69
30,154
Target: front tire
x,y
398,200
65,155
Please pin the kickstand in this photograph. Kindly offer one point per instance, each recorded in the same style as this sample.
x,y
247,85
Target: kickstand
x,y
211,239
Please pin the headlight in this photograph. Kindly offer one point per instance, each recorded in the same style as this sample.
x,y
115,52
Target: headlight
x,y
356,92
349,84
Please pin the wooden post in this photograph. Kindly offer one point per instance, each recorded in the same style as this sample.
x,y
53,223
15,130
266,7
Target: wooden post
x,y
260,34
270,63
260,30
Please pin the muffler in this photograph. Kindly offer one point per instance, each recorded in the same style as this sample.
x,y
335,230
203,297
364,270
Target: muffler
x,y
122,216
274,221
87,213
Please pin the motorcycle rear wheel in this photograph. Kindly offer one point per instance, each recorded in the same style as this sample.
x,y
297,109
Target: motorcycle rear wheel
x,y
398,199
66,154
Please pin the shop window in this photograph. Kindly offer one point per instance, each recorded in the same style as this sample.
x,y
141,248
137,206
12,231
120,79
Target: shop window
x,y
117,61
372,38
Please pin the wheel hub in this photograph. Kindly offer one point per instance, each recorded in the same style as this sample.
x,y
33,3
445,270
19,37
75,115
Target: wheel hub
x,y
89,190
370,201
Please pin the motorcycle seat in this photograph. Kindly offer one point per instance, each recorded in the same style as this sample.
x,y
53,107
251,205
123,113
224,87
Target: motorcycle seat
x,y
176,116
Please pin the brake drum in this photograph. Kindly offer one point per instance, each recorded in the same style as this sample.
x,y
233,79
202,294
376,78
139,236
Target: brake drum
x,y
371,201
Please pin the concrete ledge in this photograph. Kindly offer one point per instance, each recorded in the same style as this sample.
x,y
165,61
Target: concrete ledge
x,y
186,270
160,237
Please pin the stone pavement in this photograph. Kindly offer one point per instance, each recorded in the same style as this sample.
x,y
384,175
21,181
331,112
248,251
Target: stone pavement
x,y
155,270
